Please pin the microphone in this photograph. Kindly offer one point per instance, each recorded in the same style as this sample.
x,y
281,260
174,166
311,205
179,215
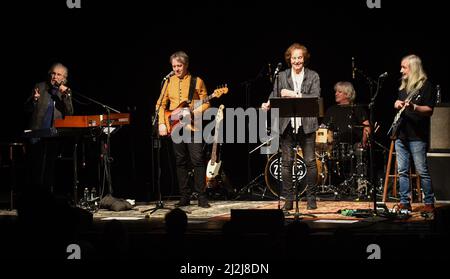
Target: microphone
x,y
278,69
169,75
385,74
353,67
57,85
269,71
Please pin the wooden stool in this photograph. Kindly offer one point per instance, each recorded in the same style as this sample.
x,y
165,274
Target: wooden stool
x,y
395,177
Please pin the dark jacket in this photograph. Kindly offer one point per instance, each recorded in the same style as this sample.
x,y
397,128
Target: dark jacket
x,y
310,88
63,105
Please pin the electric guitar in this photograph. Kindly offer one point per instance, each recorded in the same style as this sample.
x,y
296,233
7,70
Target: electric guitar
x,y
398,117
213,167
173,117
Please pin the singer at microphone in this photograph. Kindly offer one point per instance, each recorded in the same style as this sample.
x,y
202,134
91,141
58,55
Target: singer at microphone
x,y
184,88
46,103
296,81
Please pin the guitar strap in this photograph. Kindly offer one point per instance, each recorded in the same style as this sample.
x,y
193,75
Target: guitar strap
x,y
192,88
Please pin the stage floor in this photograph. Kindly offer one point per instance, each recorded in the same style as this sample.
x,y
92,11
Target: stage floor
x,y
328,214
329,234
220,210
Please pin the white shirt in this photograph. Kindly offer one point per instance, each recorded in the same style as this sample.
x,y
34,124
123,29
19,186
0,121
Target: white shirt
x,y
298,81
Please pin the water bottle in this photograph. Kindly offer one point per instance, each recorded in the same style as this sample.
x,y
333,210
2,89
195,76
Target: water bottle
x,y
438,94
86,194
381,184
93,193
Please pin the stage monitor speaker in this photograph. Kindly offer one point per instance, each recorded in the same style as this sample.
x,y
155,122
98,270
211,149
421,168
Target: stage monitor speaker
x,y
439,165
257,220
440,129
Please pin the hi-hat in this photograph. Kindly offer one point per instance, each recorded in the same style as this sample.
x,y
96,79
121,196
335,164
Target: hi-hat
x,y
360,126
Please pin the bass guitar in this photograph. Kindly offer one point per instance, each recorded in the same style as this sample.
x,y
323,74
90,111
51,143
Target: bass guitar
x,y
173,117
213,167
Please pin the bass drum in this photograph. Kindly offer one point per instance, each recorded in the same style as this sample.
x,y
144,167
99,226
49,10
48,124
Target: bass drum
x,y
272,172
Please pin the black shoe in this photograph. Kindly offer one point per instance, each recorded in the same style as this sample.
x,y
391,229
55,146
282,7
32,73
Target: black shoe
x,y
203,202
311,203
183,202
288,205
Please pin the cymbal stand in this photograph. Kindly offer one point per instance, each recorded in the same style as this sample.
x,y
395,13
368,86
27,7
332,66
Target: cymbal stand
x,y
255,181
325,188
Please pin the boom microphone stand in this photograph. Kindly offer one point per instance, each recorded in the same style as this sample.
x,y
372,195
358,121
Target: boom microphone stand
x,y
371,83
248,188
105,148
371,118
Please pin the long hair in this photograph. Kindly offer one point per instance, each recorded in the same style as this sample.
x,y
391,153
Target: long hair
x,y
417,75
291,48
347,88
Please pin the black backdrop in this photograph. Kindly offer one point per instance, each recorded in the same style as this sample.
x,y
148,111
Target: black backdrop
x,y
117,52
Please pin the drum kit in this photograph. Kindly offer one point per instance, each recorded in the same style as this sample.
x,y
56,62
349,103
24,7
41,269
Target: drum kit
x,y
341,167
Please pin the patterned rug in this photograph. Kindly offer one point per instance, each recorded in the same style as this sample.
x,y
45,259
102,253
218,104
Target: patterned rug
x,y
221,210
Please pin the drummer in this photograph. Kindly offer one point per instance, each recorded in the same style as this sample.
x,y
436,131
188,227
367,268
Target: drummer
x,y
349,121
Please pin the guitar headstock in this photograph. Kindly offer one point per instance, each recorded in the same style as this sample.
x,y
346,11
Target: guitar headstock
x,y
220,91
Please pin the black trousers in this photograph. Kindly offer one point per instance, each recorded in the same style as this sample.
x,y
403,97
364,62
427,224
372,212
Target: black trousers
x,y
307,144
42,163
188,156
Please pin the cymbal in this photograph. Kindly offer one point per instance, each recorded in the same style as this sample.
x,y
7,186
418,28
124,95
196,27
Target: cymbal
x,y
360,126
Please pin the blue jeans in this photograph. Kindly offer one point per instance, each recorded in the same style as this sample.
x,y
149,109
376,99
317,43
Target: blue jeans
x,y
418,150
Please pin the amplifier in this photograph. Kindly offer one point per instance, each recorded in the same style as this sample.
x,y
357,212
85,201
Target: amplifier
x,y
439,165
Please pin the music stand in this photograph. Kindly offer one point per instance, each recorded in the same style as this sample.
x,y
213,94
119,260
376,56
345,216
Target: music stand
x,y
297,107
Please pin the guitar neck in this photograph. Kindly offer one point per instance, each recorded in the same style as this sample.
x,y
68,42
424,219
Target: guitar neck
x,y
214,152
203,101
216,138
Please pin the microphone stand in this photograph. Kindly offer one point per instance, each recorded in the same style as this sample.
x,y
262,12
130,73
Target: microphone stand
x,y
370,139
156,144
371,83
252,182
280,184
105,148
